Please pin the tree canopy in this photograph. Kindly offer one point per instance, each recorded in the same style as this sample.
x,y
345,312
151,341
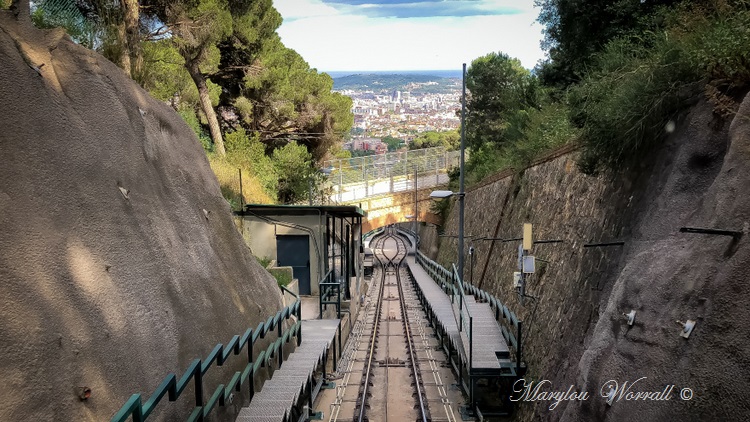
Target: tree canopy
x,y
450,140
292,100
575,30
393,143
223,67
502,92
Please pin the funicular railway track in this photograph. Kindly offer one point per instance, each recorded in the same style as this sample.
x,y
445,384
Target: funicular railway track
x,y
391,367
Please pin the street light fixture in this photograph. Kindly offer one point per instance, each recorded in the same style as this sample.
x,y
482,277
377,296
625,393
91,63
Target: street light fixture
x,y
439,195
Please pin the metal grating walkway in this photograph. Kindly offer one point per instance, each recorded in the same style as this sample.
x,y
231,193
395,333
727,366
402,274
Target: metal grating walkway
x,y
280,393
490,352
438,302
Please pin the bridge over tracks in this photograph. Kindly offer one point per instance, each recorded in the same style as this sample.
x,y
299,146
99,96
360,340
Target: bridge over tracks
x,y
391,187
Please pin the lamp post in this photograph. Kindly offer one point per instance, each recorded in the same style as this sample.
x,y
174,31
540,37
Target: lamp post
x,y
461,176
471,265
442,194
416,211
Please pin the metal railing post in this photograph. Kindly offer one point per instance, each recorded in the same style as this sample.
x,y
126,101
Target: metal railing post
x,y
299,319
471,360
250,344
322,288
281,345
518,348
341,180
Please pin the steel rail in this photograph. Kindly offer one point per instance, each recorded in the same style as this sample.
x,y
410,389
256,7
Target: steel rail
x,y
407,329
368,367
387,367
385,263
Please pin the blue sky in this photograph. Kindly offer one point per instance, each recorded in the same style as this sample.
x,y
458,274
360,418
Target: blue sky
x,y
408,34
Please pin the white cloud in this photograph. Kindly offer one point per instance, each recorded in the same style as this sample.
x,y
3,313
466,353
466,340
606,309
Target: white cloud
x,y
303,9
331,40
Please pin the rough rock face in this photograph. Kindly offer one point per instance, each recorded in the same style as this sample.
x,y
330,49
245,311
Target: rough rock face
x,y
119,261
576,333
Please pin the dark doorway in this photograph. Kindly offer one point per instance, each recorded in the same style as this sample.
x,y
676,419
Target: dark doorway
x,y
294,251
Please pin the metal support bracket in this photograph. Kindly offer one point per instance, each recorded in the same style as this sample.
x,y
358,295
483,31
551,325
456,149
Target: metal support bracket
x,y
631,317
602,244
687,328
717,232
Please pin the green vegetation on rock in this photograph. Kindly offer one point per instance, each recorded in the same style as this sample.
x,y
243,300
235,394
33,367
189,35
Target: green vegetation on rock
x,y
282,276
619,78
640,85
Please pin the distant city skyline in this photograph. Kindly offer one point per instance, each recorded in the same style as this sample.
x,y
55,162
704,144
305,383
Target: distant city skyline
x,y
408,35
443,73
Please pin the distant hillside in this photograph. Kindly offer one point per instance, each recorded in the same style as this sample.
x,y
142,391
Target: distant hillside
x,y
414,83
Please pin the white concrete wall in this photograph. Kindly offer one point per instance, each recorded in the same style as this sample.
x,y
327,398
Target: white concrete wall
x,y
261,237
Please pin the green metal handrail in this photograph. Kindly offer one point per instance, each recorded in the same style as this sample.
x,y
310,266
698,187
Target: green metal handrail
x,y
329,289
412,235
461,299
372,233
219,355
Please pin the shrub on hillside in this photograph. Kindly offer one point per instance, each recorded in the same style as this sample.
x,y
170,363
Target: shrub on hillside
x,y
228,175
259,177
624,106
189,116
545,129
717,43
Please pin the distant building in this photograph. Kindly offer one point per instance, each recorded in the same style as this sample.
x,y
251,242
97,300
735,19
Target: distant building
x,y
367,144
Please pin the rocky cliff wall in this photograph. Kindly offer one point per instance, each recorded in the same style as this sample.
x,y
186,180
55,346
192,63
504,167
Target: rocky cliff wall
x,y
575,331
119,260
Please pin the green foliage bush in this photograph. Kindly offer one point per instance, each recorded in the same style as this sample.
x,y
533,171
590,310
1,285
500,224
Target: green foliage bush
x,y
283,277
189,116
393,143
295,172
640,85
624,106
450,140
503,93
717,41
244,108
545,129
263,261
246,151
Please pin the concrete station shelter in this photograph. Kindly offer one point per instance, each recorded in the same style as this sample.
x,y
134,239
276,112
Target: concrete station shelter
x,y
313,240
